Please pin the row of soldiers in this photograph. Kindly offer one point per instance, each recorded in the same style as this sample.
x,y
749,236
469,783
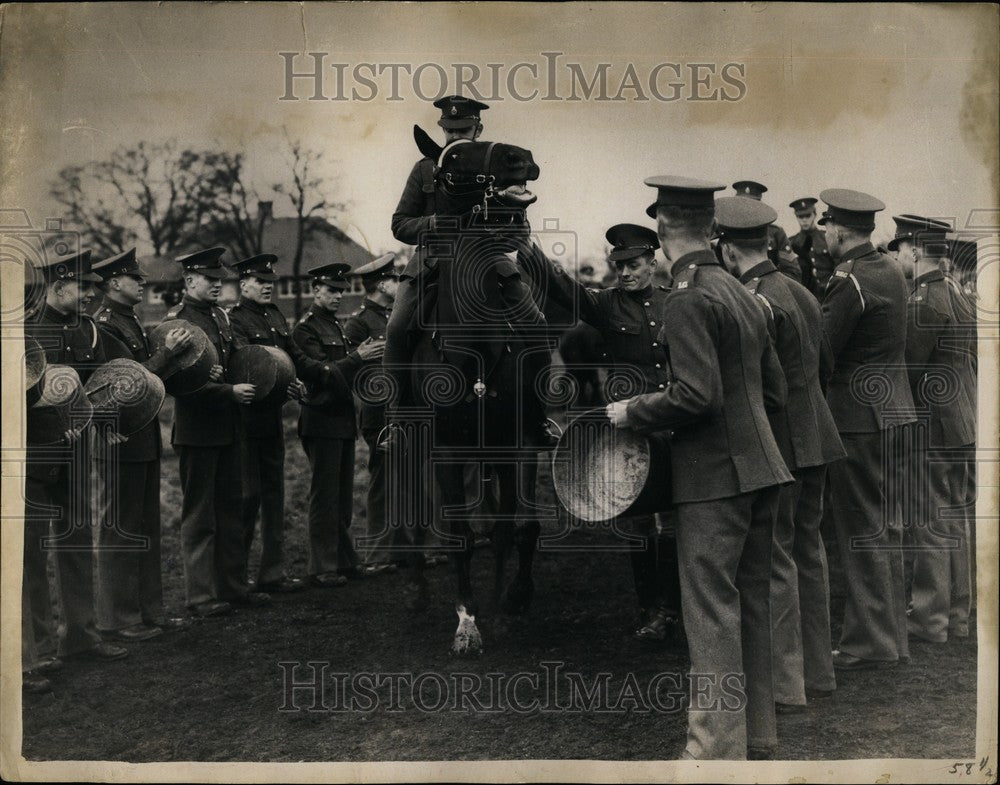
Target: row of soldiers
x,y
775,402
230,446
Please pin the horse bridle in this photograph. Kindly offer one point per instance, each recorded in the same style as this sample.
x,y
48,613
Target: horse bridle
x,y
477,183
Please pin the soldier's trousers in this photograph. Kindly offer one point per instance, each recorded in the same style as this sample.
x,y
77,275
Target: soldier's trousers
x,y
330,504
800,592
263,465
211,529
724,549
869,541
941,581
68,535
386,534
129,586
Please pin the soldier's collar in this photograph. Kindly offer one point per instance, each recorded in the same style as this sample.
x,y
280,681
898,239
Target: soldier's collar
x,y
758,271
928,277
326,313
695,258
117,307
640,294
51,314
200,305
371,305
857,252
253,305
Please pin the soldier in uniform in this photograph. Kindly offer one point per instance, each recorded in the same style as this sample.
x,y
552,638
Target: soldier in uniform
x,y
256,320
380,282
413,222
939,361
129,586
726,467
808,440
58,477
206,438
628,318
809,244
779,250
327,429
864,315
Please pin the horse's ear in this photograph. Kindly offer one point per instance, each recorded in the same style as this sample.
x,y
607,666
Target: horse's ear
x,y
425,144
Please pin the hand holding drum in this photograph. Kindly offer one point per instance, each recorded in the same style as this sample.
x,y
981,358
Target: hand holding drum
x,y
260,374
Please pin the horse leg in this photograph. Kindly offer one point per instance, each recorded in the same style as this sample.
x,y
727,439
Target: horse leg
x,y
408,492
503,528
467,640
521,589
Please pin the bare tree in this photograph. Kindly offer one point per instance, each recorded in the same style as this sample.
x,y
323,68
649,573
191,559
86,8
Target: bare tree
x,y
237,220
310,195
153,192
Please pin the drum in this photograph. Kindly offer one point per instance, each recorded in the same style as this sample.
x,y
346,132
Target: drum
x,y
62,405
34,370
601,472
267,367
126,391
190,370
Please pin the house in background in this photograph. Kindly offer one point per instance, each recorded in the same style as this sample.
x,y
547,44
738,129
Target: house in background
x,y
324,244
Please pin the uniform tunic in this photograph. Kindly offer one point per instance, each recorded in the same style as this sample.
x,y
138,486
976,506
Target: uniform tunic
x,y
129,585
262,443
725,465
327,430
814,259
385,534
57,476
206,440
940,356
807,436
864,315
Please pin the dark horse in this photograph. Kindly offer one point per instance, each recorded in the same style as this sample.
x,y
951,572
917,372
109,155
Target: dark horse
x,y
479,346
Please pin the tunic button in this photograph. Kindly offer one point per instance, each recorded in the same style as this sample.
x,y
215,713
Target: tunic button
x,y
692,266
646,304
655,343
662,387
756,279
657,365
652,324
623,329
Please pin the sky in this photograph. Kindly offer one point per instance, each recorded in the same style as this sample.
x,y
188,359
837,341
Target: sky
x,y
899,101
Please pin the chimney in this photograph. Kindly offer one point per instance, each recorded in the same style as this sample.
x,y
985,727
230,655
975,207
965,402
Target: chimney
x,y
265,210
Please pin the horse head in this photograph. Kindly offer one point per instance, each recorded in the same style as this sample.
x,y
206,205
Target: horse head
x,y
485,182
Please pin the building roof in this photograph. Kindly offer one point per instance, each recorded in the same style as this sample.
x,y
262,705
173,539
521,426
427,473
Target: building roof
x,y
324,244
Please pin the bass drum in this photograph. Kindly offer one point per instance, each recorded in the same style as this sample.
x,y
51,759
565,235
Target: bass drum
x,y
127,392
62,405
601,472
190,370
34,370
269,368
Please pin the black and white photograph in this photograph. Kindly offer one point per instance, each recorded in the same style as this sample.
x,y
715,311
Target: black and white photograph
x,y
499,391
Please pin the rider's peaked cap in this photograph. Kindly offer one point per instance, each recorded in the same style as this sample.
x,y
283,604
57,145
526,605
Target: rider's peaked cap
x,y
458,111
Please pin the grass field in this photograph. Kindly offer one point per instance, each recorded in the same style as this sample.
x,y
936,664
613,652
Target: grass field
x,y
217,691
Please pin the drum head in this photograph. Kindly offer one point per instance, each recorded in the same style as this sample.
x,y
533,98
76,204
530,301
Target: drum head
x,y
62,404
267,367
190,370
34,362
598,470
126,390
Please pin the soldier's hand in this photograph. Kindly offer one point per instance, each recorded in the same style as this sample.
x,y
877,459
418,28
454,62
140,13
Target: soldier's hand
x,y
371,349
296,390
216,373
113,438
73,434
243,393
178,340
616,412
